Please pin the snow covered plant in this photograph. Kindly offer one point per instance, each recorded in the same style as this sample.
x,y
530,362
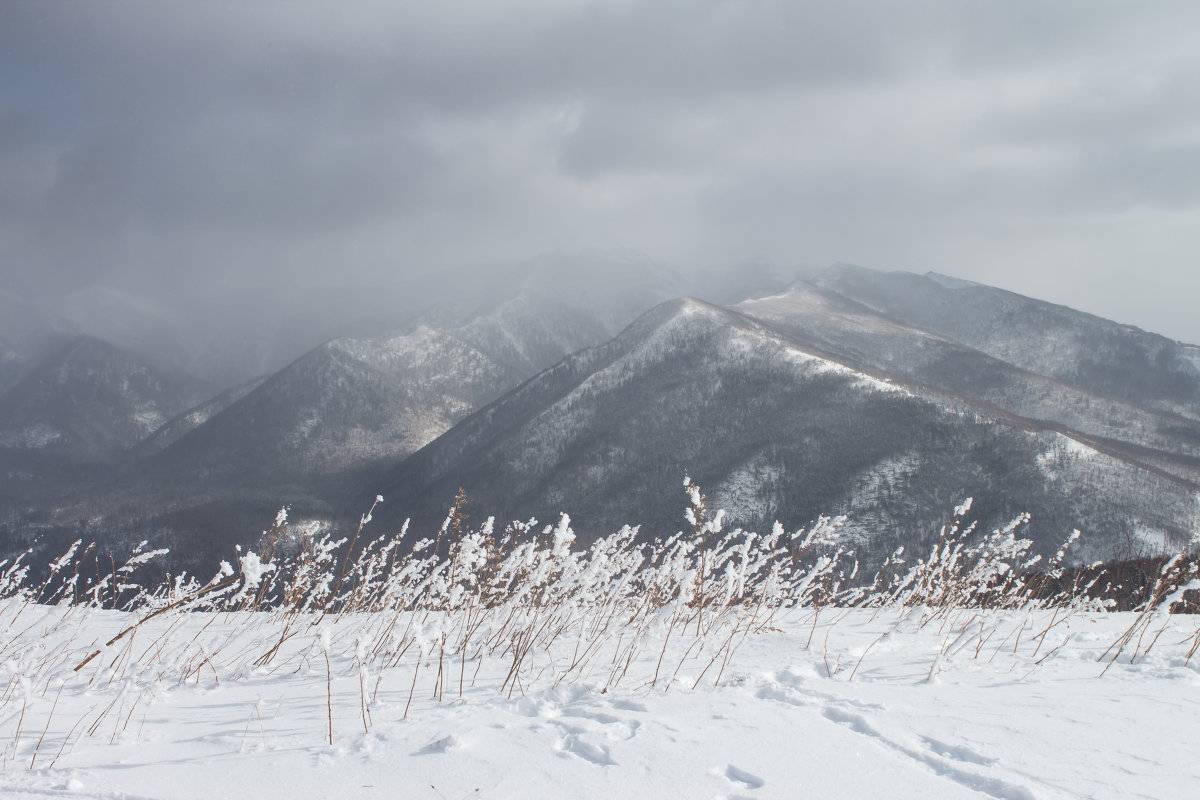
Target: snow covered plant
x,y
969,570
526,603
391,625
467,595
1179,575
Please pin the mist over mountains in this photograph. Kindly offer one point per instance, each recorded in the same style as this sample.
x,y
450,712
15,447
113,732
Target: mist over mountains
x,y
589,384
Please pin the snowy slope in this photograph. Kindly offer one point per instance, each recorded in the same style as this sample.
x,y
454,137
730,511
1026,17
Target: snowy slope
x,y
849,704
345,404
357,401
819,399
310,432
91,401
1090,352
774,429
856,334
533,331
182,424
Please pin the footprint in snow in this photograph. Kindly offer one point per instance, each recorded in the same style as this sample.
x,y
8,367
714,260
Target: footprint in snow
x,y
795,675
594,716
782,694
613,728
855,722
597,754
443,745
628,705
741,778
957,752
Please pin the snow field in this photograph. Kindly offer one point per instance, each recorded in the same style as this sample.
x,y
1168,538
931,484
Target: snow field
x,y
723,665
898,702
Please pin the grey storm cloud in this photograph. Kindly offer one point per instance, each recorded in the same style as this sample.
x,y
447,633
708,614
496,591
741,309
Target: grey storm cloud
x,y
1039,146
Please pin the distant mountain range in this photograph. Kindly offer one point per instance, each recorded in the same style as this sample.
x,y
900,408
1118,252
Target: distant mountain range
x,y
91,400
590,385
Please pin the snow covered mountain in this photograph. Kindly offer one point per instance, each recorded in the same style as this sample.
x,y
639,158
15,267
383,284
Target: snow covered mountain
x,y
773,428
345,404
355,403
91,401
857,335
844,395
1092,353
349,407
182,424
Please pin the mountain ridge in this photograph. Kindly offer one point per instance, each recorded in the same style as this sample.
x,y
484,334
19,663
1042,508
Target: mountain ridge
x,y
826,397
558,438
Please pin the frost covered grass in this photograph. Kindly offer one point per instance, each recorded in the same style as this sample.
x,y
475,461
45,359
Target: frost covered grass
x,y
313,649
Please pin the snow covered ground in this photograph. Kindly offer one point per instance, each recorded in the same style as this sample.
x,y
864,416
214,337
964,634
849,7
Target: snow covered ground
x,y
898,703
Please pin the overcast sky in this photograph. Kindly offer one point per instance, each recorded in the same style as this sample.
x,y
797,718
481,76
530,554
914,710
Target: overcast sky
x,y
1050,148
